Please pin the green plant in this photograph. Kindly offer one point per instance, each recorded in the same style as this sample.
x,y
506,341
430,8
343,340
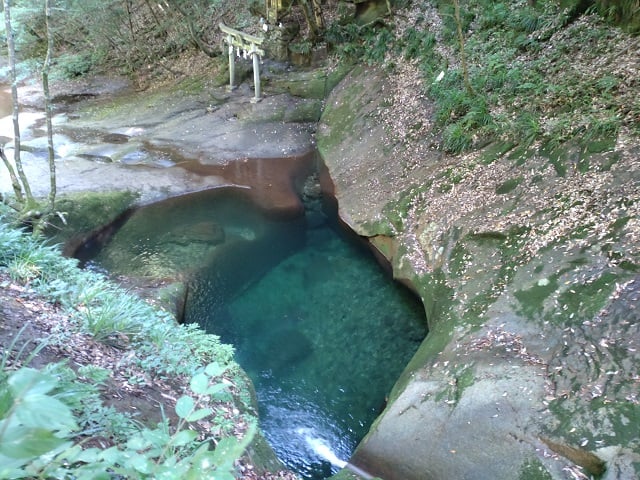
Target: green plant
x,y
606,127
303,47
417,44
621,12
38,430
96,418
478,116
93,373
8,352
493,15
33,423
456,138
116,314
452,104
526,127
377,45
74,65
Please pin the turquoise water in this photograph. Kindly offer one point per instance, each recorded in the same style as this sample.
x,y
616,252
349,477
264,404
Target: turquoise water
x,y
323,334
320,328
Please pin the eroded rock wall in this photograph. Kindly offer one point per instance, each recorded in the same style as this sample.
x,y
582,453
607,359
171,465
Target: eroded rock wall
x,y
527,263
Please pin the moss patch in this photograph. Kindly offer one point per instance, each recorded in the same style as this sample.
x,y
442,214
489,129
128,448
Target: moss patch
x,y
508,186
310,84
534,470
495,151
587,299
532,300
437,301
340,116
85,212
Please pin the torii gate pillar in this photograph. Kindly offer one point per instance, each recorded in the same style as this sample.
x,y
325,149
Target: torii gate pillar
x,y
256,77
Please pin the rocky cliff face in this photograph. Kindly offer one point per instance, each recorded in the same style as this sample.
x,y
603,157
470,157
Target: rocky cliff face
x,y
527,262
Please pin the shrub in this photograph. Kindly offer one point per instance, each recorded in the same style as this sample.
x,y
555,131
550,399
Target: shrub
x,y
162,347
456,138
37,431
74,65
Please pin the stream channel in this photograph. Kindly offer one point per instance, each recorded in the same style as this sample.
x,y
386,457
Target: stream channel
x,y
317,323
319,326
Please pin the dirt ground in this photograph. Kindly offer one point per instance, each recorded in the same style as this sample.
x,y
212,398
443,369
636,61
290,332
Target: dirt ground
x,y
27,322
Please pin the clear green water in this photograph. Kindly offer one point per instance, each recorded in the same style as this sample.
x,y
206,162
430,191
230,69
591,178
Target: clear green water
x,y
323,335
320,328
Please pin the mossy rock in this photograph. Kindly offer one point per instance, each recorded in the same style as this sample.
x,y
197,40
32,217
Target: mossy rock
x,y
534,470
310,83
304,112
87,211
262,455
508,186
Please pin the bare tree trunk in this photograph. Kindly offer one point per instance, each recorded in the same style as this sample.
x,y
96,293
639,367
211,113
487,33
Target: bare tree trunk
x,y
203,47
311,18
128,9
14,97
15,183
317,13
47,107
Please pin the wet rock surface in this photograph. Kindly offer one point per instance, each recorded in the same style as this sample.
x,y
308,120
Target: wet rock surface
x,y
160,143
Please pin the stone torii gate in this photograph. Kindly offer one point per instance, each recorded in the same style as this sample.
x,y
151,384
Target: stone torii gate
x,y
247,44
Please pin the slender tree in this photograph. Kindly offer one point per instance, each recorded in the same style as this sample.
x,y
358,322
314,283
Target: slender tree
x,y
463,57
16,125
47,105
190,18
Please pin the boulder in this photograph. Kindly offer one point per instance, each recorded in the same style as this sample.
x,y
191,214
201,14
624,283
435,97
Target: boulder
x,y
529,277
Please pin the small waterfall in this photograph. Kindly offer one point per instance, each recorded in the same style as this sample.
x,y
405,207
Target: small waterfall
x,y
324,451
320,447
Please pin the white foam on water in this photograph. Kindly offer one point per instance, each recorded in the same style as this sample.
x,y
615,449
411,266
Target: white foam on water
x,y
324,451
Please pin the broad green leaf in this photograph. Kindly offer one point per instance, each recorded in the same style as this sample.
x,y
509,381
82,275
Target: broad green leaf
x,y
138,442
142,464
214,369
111,455
201,464
227,451
36,410
10,467
172,471
199,414
184,406
31,381
217,388
95,471
22,442
184,437
157,437
90,455
223,475
199,383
